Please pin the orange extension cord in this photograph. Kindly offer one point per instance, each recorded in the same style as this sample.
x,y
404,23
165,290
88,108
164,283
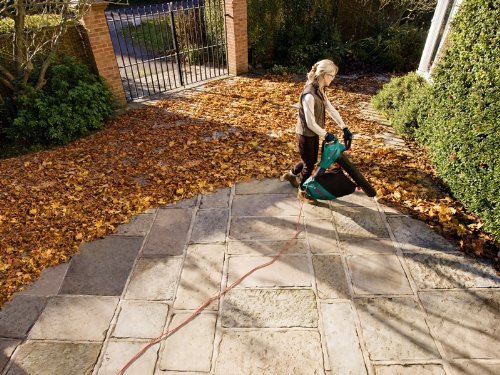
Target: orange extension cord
x,y
216,296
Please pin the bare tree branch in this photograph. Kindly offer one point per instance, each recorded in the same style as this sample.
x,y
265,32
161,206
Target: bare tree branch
x,y
7,83
8,75
39,26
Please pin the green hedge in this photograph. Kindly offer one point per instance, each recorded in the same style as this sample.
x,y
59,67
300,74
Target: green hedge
x,y
32,22
402,100
459,123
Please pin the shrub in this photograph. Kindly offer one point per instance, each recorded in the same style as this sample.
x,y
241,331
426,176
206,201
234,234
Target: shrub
x,y
404,100
456,117
461,128
290,33
301,32
73,103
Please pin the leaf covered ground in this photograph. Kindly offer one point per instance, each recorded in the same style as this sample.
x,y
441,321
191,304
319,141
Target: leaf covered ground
x,y
203,139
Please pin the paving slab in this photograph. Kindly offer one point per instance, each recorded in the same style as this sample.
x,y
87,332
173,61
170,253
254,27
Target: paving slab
x,y
475,367
264,228
290,270
358,222
330,277
342,341
138,226
322,236
367,246
168,235
321,210
7,347
217,199
395,329
265,205
119,352
466,322
185,203
409,370
378,274
141,319
50,281
447,271
102,266
266,247
75,318
210,226
356,199
201,276
264,308
50,358
389,210
154,279
270,352
18,315
190,348
268,186
415,235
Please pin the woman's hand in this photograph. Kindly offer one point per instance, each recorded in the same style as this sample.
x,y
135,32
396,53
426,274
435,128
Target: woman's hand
x,y
329,137
347,138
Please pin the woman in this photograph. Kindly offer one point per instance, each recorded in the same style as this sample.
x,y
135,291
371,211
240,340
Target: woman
x,y
310,126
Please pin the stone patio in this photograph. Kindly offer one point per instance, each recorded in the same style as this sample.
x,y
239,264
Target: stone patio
x,y
364,290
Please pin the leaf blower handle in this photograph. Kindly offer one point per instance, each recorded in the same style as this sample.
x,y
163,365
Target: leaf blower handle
x,y
347,138
319,172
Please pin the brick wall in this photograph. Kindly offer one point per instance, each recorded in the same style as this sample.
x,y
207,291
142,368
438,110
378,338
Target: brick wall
x,y
237,39
102,49
75,44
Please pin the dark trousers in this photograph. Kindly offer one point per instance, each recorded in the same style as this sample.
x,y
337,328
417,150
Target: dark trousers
x,y
308,149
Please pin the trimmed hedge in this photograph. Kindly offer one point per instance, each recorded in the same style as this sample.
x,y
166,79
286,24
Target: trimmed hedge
x,y
459,123
402,100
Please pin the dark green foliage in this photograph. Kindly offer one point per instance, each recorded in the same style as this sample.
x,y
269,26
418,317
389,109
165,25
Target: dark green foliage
x,y
73,103
462,127
397,48
296,34
403,100
290,33
460,124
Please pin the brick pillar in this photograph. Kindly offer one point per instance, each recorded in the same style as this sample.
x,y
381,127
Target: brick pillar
x,y
102,49
237,39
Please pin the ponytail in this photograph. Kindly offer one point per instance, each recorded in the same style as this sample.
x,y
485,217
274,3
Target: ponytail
x,y
312,74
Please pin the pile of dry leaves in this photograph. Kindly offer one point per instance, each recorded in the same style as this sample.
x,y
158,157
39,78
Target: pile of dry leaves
x,y
228,131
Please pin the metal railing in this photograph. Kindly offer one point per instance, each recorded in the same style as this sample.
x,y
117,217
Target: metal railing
x,y
165,46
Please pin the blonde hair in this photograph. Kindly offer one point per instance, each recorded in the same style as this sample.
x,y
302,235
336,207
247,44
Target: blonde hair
x,y
321,68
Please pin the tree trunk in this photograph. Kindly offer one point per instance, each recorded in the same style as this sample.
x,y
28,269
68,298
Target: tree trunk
x,y
20,37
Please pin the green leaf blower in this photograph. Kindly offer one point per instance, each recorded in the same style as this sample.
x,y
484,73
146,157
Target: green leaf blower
x,y
333,184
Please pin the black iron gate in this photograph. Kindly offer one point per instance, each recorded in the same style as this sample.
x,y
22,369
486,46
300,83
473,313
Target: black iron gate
x,y
170,45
